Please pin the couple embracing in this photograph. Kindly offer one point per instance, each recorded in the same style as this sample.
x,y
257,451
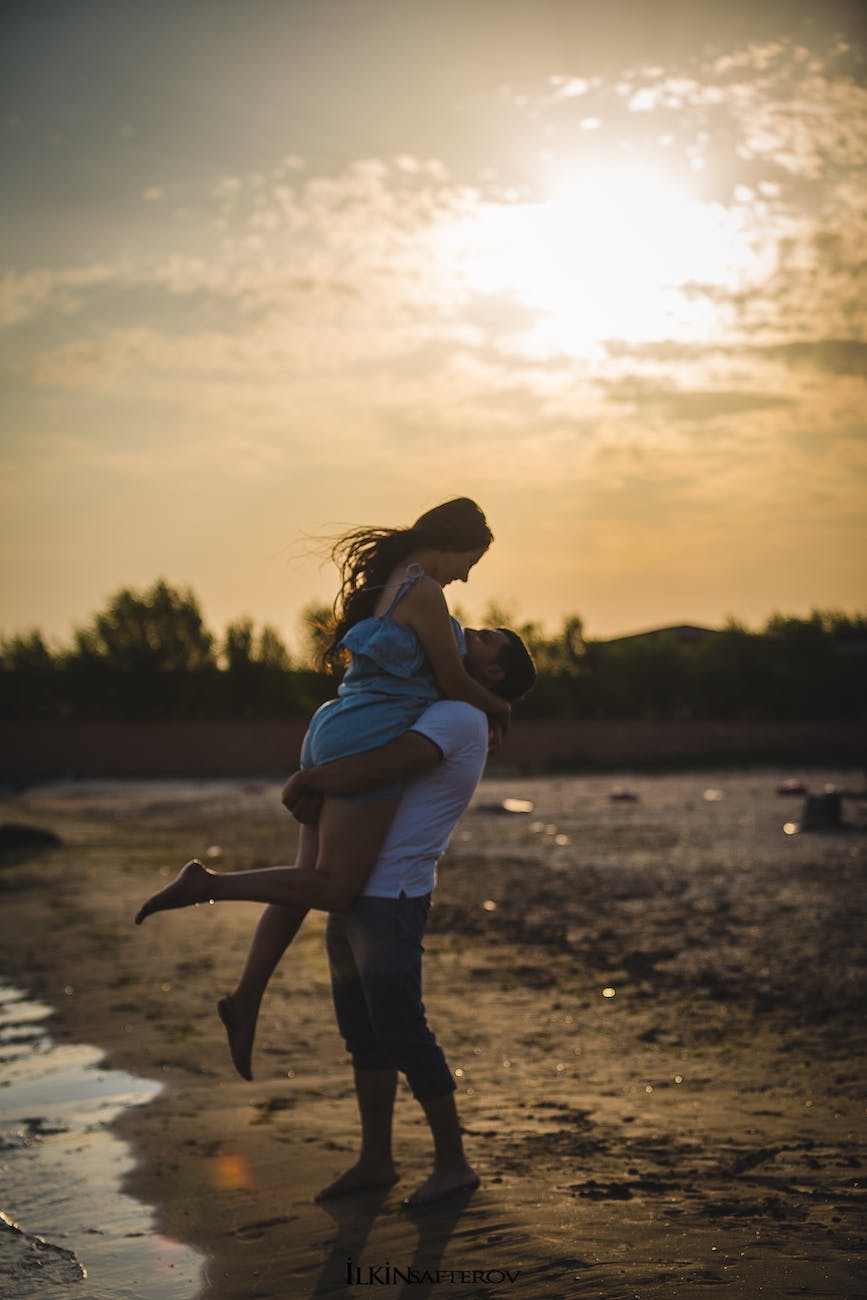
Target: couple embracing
x,y
387,769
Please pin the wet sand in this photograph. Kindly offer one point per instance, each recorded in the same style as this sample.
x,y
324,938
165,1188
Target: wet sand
x,y
656,1010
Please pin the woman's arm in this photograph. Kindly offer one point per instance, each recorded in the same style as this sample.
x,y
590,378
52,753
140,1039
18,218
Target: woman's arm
x,y
424,609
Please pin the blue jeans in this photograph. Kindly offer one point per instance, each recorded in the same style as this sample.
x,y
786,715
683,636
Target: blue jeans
x,y
375,951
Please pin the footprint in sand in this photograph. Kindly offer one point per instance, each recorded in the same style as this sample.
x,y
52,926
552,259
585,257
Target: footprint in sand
x,y
256,1231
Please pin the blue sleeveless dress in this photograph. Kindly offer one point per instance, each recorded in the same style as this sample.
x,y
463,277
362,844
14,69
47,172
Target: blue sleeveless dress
x,y
388,685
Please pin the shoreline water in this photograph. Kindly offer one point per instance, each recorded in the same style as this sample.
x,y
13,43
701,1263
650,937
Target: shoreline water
x,y
64,1218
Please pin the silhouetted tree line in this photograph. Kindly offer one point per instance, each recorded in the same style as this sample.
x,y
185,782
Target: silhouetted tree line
x,y
149,655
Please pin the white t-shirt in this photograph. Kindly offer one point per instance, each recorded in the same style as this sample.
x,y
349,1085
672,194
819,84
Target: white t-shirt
x,y
432,804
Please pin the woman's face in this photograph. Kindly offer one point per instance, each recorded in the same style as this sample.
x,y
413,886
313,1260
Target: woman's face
x,y
454,566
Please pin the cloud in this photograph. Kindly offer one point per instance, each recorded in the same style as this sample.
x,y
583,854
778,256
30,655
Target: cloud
x,y
283,243
773,136
305,318
836,356
25,294
693,406
362,249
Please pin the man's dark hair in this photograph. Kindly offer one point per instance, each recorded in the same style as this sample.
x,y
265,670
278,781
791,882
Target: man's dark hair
x,y
518,668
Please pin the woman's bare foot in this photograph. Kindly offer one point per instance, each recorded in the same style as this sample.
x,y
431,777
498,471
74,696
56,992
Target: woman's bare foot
x,y
361,1177
443,1183
191,885
239,1022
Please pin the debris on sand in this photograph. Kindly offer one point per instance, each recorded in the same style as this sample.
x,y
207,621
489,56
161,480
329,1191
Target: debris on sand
x,y
18,835
507,806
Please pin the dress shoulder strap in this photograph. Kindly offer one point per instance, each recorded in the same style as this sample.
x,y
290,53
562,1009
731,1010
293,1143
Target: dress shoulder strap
x,y
413,573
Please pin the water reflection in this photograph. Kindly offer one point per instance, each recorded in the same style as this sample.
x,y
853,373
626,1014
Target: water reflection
x,y
64,1217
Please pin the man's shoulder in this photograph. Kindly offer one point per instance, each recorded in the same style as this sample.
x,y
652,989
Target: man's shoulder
x,y
452,725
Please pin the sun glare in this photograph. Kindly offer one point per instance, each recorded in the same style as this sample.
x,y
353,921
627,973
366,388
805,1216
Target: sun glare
x,y
612,253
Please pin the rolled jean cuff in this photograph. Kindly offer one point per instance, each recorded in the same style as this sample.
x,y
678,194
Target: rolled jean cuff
x,y
430,1084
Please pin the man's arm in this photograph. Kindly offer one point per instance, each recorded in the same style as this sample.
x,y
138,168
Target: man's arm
x,y
409,756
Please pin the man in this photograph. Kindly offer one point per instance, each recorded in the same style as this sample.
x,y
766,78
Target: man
x,y
375,946
374,933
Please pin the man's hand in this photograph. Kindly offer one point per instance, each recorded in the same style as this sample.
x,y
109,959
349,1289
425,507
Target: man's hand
x,y
304,804
308,808
400,760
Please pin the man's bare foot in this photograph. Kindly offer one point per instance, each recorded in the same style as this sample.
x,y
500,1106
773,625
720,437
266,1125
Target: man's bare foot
x,y
443,1183
361,1177
191,885
240,1026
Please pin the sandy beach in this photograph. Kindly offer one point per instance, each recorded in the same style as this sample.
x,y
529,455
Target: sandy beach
x,y
654,1010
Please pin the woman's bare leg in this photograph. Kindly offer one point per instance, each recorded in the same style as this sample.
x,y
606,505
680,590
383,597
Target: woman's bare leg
x,y
350,837
345,849
195,883
277,927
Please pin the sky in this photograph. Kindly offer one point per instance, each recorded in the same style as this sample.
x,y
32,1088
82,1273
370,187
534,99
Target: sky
x,y
273,270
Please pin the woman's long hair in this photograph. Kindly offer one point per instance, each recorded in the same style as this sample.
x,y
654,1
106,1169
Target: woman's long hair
x,y
365,557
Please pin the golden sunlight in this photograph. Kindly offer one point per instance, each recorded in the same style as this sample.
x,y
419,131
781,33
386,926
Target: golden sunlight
x,y
615,252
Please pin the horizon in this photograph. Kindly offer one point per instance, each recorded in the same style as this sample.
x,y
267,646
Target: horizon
x,y
497,615
278,271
